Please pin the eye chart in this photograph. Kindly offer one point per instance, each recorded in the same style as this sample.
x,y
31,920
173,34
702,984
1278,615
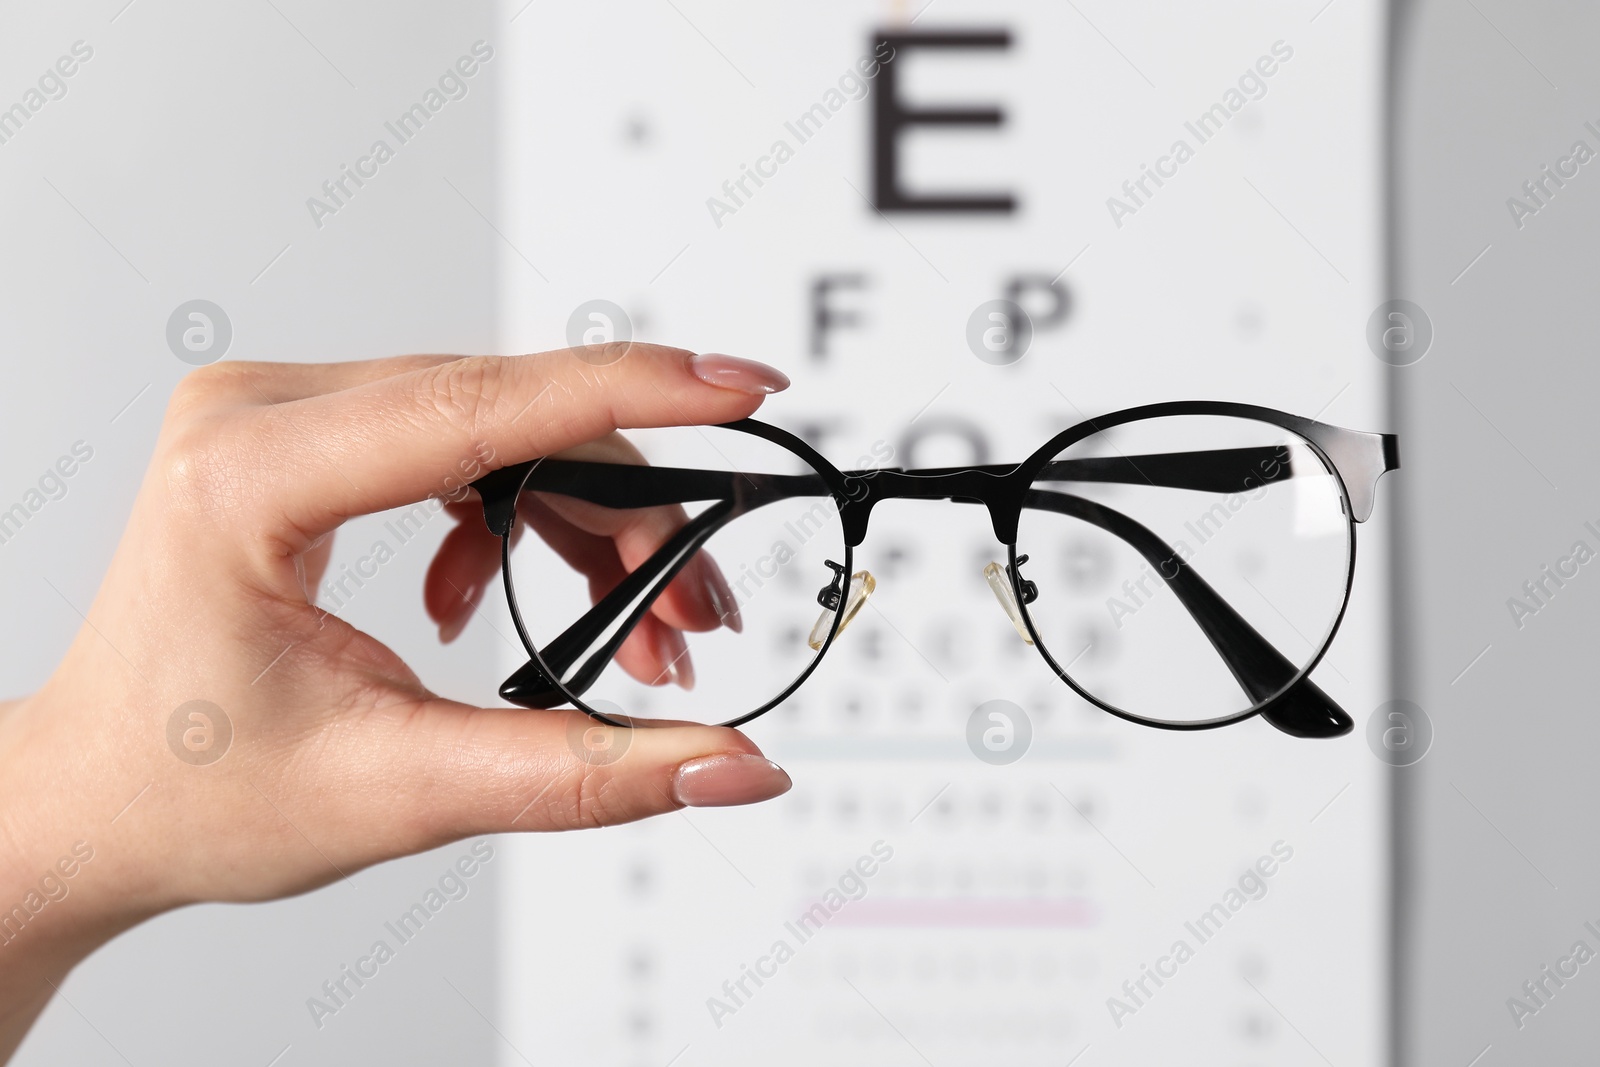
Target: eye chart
x,y
1185,201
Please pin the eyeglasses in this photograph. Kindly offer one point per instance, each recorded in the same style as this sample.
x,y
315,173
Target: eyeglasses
x,y
1181,565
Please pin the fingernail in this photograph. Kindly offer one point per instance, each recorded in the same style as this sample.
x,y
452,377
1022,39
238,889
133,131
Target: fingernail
x,y
720,596
718,781
674,652
731,372
451,629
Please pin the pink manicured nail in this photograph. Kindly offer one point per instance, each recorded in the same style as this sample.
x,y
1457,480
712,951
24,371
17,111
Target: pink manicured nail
x,y
451,629
720,596
719,781
731,372
674,652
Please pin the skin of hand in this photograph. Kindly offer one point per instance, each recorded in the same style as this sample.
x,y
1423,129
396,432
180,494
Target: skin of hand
x,y
340,758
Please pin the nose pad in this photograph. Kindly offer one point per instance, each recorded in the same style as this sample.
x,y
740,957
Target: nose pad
x,y
850,601
1000,583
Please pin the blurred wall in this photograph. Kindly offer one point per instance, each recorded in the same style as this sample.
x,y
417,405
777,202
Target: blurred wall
x,y
1499,865
177,166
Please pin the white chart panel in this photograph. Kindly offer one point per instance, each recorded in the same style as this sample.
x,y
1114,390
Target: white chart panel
x,y
1013,912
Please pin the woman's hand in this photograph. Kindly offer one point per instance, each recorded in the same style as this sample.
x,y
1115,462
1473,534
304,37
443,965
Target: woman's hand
x,y
339,757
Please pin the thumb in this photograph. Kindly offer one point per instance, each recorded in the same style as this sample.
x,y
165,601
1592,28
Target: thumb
x,y
498,770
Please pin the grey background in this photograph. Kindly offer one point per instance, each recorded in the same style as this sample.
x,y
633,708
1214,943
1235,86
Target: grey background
x,y
1498,852
190,142
226,118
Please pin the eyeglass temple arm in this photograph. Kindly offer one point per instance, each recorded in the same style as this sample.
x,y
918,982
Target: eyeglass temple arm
x,y
620,486
624,485
630,485
1303,710
1222,470
1260,669
1217,470
531,686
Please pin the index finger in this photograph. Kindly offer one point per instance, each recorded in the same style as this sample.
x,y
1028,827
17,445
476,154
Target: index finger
x,y
388,443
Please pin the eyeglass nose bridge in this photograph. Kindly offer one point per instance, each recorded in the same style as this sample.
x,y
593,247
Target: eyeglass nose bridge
x,y
1001,494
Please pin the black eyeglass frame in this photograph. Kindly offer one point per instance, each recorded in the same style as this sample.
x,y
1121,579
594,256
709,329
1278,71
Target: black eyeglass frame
x,y
1293,704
